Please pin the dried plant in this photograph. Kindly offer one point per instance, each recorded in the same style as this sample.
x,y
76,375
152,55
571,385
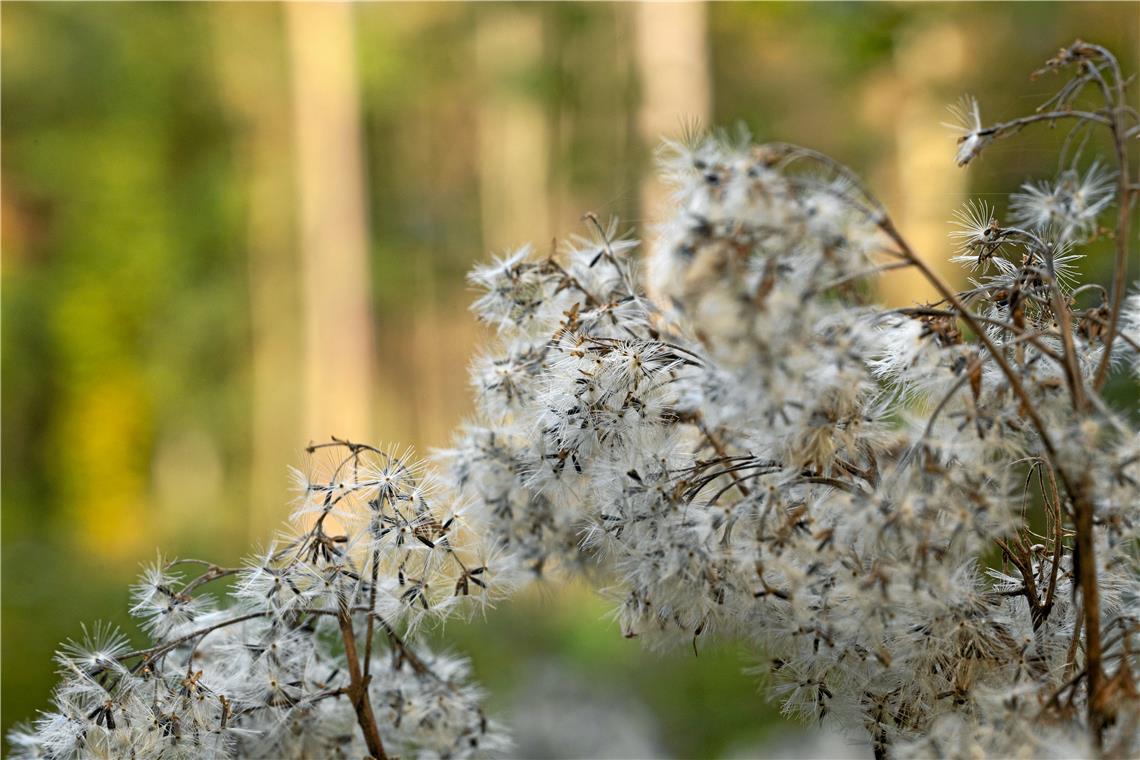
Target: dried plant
x,y
925,518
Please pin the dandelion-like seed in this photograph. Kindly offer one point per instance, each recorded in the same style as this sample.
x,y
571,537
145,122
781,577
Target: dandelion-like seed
x,y
1070,205
968,121
977,234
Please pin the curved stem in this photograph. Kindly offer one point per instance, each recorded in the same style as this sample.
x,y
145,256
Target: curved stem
x,y
1123,218
947,293
1079,490
358,688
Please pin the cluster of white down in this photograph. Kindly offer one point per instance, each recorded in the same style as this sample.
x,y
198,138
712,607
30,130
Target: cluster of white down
x,y
746,446
737,441
266,675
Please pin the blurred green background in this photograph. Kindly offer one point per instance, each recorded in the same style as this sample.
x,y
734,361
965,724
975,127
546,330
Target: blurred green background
x,y
229,229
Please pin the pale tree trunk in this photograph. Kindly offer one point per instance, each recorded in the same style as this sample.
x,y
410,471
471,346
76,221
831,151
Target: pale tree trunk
x,y
676,90
337,311
252,77
928,184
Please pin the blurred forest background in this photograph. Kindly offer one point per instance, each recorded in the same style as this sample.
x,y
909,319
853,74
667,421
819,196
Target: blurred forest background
x,y
229,229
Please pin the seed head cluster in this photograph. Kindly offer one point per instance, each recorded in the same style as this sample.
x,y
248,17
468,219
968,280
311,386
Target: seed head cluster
x,y
924,519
